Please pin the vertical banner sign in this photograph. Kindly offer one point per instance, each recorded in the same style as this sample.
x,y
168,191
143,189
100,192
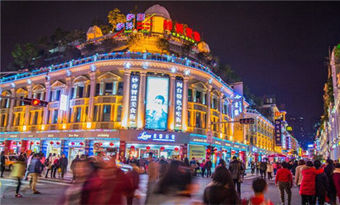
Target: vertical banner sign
x,y
122,147
178,104
278,132
134,89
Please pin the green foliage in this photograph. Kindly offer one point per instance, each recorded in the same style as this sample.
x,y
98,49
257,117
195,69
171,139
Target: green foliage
x,y
23,55
58,38
337,52
115,17
163,44
75,35
227,74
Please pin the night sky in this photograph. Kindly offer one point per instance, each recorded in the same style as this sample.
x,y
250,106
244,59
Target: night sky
x,y
278,48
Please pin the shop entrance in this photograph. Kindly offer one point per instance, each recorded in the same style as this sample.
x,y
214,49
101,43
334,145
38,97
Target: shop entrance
x,y
142,151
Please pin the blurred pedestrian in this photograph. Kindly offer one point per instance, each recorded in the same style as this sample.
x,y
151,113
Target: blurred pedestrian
x,y
260,188
222,163
329,169
202,165
2,163
153,175
336,179
284,180
186,162
175,187
263,168
274,167
28,165
56,164
18,172
321,184
221,190
236,169
269,170
42,160
208,166
73,164
163,166
133,176
307,187
252,167
298,172
35,170
295,164
63,165
258,168
48,164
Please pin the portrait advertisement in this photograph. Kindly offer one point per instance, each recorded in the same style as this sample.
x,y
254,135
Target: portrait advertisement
x,y
157,97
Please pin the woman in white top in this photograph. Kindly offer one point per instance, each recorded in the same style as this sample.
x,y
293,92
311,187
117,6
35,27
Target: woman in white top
x,y
298,172
269,170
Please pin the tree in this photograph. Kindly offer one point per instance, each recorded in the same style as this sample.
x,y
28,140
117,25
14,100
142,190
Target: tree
x,y
75,35
58,38
115,17
24,55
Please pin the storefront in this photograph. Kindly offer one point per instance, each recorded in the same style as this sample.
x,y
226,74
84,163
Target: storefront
x,y
34,145
51,146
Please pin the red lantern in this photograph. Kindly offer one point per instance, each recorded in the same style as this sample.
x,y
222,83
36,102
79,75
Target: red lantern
x,y
162,148
19,142
14,143
32,143
101,144
58,143
51,142
72,143
176,149
111,144
39,142
147,148
215,149
3,142
82,143
132,147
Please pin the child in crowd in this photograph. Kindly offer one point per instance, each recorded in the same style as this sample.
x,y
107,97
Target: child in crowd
x,y
259,188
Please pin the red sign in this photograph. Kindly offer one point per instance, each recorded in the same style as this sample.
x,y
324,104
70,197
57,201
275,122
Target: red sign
x,y
24,146
122,148
179,28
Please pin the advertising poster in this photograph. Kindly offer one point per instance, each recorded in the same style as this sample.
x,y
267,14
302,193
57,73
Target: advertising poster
x,y
197,151
157,97
278,133
178,104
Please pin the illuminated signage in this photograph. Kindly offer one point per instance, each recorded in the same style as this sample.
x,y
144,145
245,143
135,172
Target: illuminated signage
x,y
63,102
157,97
182,31
310,146
134,89
160,137
178,104
278,133
135,21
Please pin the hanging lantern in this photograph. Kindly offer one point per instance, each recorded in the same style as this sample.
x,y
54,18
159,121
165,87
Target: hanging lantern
x,y
51,142
39,142
132,147
19,142
111,144
72,143
58,143
3,142
162,148
101,144
176,149
32,143
81,143
215,149
147,148
14,143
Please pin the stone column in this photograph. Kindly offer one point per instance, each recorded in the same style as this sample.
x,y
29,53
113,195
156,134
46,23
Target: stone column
x,y
47,98
141,101
208,120
91,96
171,124
27,110
126,98
194,94
220,125
67,92
11,107
185,104
115,87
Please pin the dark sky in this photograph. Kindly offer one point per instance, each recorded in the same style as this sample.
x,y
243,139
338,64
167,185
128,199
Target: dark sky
x,y
276,47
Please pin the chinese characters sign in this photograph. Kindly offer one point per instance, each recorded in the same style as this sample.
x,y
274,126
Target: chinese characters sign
x,y
156,137
178,104
180,29
134,88
277,133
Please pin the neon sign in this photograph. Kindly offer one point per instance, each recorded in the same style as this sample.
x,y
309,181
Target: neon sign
x,y
179,29
178,104
134,88
160,137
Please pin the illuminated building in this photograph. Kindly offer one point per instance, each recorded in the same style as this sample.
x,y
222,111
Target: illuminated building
x,y
140,99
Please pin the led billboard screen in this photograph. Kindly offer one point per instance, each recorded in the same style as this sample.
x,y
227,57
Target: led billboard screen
x,y
157,96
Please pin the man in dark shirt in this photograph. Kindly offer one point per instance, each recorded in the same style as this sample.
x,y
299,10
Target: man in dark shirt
x,y
2,163
63,165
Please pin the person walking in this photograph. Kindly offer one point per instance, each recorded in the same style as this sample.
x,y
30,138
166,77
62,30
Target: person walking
x,y
2,163
18,172
221,190
260,188
307,187
336,179
257,168
298,172
208,166
35,170
329,169
284,180
269,170
202,165
73,168
321,184
153,176
133,175
48,164
163,166
28,165
253,167
236,170
263,169
63,165
55,165
275,167
295,164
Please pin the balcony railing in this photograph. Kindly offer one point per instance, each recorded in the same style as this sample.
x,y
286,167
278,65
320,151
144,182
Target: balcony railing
x,y
116,56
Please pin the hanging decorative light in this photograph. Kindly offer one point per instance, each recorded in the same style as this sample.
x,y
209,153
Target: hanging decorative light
x,y
51,142
111,144
19,142
81,143
147,148
39,142
162,148
58,143
72,143
176,149
32,143
132,147
14,143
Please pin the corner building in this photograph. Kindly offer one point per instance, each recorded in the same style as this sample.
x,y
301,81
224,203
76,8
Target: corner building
x,y
129,103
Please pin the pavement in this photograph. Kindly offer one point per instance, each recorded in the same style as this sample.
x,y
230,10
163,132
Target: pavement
x,y
52,190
